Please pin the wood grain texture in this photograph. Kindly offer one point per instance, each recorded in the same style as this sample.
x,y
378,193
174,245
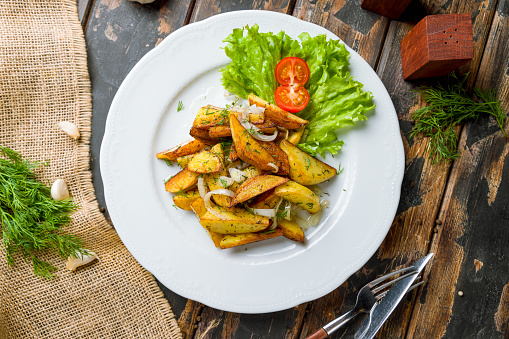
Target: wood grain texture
x,y
362,30
84,8
437,45
389,8
474,213
207,8
423,185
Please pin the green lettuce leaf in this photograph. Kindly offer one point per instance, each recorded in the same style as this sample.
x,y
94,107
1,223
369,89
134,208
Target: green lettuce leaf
x,y
336,100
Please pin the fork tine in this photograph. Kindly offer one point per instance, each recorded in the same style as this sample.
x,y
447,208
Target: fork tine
x,y
382,278
415,285
392,282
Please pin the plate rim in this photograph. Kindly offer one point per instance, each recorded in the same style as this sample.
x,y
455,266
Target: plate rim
x,y
399,153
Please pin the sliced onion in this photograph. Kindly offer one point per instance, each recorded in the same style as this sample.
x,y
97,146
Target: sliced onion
x,y
284,130
263,137
274,166
288,212
229,181
237,175
202,188
274,221
265,212
208,204
324,203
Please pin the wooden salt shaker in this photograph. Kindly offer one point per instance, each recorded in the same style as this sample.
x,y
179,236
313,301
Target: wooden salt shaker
x,y
437,45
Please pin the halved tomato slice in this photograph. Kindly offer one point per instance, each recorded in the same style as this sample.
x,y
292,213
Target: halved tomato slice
x,y
292,99
292,71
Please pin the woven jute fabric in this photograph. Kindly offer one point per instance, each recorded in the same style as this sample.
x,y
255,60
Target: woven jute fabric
x,y
44,80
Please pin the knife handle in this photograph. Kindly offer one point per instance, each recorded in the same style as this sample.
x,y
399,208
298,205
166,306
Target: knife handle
x,y
320,334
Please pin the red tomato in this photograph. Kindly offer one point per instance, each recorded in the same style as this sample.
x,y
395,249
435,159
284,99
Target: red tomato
x,y
292,98
292,71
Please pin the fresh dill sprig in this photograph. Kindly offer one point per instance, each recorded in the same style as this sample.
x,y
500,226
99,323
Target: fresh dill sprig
x,y
30,220
448,106
180,106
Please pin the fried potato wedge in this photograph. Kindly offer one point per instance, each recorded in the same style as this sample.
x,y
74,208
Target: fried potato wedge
x,y
280,157
255,186
198,207
266,200
182,181
203,136
233,223
248,148
296,135
234,240
291,230
205,162
186,148
184,200
304,168
213,180
281,117
249,172
183,161
220,131
299,195
209,116
233,156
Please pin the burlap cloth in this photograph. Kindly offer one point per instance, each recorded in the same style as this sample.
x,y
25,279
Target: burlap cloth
x,y
44,80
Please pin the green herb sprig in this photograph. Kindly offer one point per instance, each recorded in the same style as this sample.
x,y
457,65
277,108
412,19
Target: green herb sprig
x,y
30,220
448,106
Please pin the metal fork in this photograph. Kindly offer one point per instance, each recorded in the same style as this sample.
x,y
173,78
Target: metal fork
x,y
367,298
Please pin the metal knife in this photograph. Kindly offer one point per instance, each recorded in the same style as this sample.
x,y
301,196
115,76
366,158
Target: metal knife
x,y
383,310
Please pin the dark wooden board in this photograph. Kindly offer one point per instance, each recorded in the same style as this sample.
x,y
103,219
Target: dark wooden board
x,y
119,33
471,247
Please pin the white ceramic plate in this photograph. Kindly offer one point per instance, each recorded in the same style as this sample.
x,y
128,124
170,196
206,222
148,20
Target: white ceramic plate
x,y
262,277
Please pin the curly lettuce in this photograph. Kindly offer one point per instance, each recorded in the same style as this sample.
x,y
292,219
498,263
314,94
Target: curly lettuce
x,y
336,99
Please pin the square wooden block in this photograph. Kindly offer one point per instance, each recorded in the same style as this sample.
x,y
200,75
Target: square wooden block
x,y
389,8
437,45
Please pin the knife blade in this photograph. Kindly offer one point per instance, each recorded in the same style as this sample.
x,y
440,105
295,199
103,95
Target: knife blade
x,y
383,310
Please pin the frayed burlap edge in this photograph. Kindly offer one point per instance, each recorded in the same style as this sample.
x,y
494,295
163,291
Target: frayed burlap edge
x,y
83,155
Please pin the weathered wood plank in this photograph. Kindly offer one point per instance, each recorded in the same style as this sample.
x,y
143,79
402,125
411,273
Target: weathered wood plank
x,y
84,7
118,34
471,248
424,183
207,8
362,30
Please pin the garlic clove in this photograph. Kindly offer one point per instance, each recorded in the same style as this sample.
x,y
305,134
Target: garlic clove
x,y
69,128
59,190
73,263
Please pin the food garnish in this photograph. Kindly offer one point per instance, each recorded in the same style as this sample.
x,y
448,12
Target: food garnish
x,y
31,221
292,73
448,106
335,99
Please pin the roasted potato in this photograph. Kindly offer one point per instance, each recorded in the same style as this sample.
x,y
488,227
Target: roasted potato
x,y
213,180
205,162
249,172
234,240
255,186
233,156
299,195
280,157
182,181
203,136
209,116
184,199
266,200
220,131
291,230
183,161
198,207
281,117
296,135
248,148
233,223
304,168
189,147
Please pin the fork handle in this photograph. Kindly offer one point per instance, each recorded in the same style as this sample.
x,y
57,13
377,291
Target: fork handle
x,y
334,325
320,334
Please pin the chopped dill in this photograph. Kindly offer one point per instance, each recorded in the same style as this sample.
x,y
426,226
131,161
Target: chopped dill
x,y
448,106
180,106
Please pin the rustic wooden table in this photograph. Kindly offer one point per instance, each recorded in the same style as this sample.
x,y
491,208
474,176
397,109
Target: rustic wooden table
x,y
459,211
